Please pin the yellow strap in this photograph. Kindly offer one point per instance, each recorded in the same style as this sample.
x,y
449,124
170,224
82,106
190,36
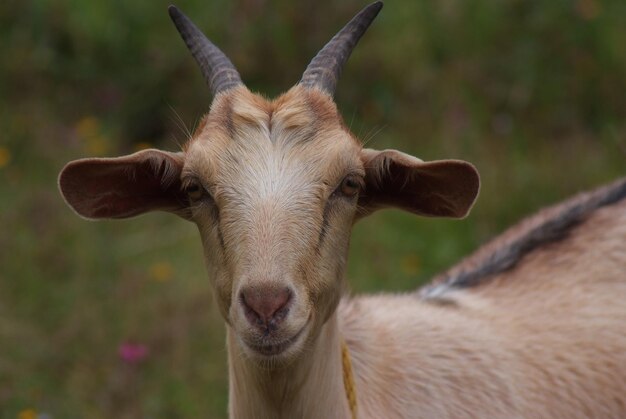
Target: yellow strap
x,y
348,378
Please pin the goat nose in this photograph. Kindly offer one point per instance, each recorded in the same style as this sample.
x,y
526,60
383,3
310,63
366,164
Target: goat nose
x,y
265,307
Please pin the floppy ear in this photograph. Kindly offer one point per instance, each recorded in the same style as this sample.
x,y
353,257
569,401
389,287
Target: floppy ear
x,y
444,188
125,186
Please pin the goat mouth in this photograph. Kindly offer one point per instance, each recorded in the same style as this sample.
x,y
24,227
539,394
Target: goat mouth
x,y
273,349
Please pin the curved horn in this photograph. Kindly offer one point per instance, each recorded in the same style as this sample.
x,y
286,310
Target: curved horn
x,y
218,71
324,70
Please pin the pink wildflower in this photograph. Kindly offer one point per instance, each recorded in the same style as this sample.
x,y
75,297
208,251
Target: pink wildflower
x,y
132,353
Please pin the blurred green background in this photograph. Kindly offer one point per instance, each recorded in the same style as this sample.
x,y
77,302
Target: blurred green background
x,y
533,93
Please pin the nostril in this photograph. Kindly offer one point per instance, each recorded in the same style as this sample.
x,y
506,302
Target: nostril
x,y
265,306
252,316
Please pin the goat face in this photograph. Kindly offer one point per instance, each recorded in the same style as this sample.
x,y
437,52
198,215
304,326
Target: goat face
x,y
274,187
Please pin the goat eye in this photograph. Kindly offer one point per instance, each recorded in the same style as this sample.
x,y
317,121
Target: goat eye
x,y
350,186
194,191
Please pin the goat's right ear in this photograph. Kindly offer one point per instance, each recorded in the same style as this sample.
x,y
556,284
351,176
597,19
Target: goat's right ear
x,y
125,186
444,188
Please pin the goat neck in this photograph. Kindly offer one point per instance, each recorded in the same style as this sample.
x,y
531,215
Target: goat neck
x,y
310,385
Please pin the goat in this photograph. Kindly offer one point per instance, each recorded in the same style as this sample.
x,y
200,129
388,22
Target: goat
x,y
532,326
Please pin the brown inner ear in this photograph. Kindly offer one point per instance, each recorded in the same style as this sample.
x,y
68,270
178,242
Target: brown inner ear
x,y
445,188
125,186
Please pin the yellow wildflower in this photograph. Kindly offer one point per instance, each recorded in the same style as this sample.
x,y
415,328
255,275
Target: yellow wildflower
x,y
161,272
5,156
87,127
27,414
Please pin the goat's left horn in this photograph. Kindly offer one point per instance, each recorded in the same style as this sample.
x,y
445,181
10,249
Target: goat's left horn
x,y
324,70
218,71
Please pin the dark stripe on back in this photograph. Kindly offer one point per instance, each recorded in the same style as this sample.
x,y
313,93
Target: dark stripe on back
x,y
534,233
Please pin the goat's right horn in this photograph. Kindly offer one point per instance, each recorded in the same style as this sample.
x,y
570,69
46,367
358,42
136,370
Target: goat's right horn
x,y
324,70
218,71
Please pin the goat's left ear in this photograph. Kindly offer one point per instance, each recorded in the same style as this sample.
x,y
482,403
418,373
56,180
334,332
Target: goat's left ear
x,y
444,188
125,186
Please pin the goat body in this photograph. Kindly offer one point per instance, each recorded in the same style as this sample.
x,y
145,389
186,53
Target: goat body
x,y
532,326
545,338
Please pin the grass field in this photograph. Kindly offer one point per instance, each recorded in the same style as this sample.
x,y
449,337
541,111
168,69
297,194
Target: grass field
x,y
116,319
